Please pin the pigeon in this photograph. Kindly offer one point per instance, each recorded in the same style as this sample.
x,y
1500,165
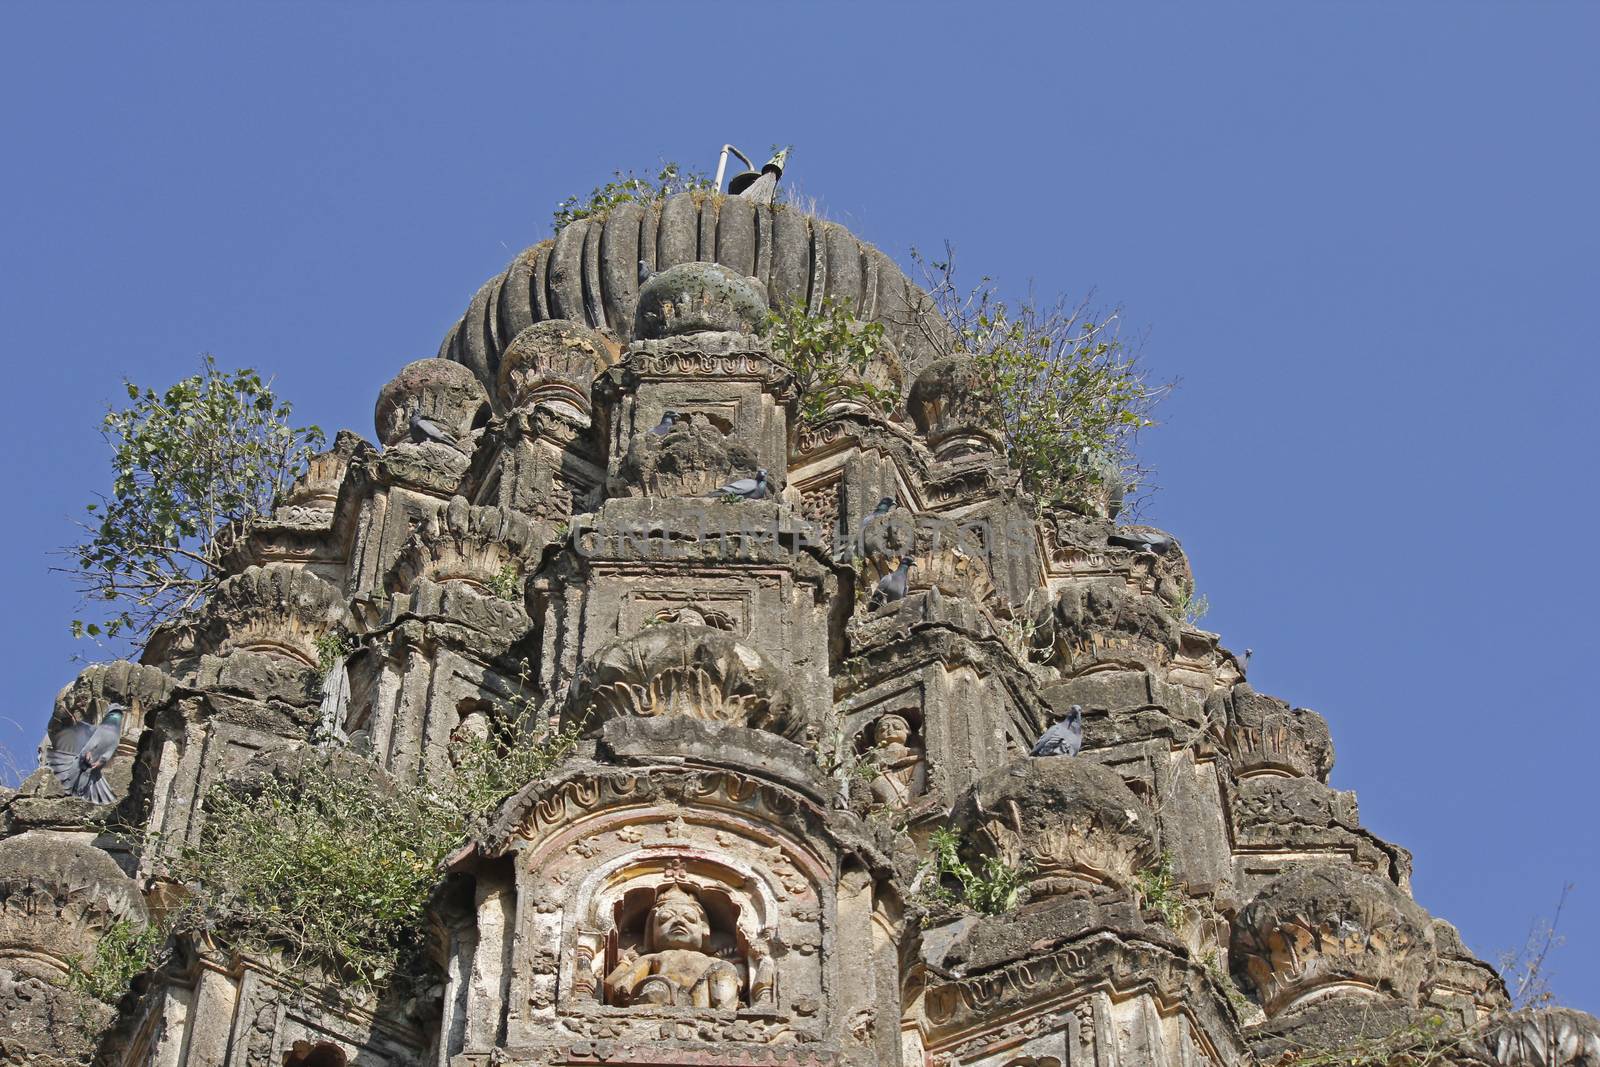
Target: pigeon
x,y
426,429
1065,738
892,586
1245,662
1160,544
850,548
669,419
645,273
885,506
81,750
745,488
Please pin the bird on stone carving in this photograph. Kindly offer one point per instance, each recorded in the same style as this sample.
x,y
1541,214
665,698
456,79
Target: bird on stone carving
x,y
885,506
669,419
745,488
1065,738
1245,662
81,750
892,586
852,547
645,273
426,429
1160,544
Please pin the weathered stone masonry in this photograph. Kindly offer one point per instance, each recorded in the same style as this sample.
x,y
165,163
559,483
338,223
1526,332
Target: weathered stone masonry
x,y
708,881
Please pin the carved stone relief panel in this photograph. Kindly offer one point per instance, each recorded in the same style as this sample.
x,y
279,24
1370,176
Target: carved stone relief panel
x,y
645,915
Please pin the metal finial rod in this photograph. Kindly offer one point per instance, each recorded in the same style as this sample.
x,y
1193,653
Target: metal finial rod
x,y
722,162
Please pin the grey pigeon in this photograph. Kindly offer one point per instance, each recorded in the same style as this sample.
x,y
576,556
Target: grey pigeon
x,y
426,429
669,419
849,549
81,750
1065,738
645,273
892,586
1160,544
885,506
745,488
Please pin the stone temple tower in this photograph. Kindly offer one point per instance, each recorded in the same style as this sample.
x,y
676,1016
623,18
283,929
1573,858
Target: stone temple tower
x,y
736,865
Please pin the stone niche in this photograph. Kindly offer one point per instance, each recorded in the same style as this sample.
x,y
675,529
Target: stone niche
x,y
637,905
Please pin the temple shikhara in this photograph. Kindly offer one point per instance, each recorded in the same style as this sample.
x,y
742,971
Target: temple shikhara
x,y
805,663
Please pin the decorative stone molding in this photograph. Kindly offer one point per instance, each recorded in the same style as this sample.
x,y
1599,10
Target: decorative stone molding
x,y
952,408
473,545
1546,1037
278,609
1072,824
946,556
58,895
699,298
589,273
441,390
1330,929
1266,737
554,363
693,459
1099,623
680,669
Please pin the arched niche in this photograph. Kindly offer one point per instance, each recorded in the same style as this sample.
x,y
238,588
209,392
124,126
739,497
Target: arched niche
x,y
611,907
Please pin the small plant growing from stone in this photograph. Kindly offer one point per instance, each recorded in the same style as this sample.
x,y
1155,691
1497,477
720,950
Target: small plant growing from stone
x,y
1161,892
1192,606
994,890
330,647
125,951
630,188
1068,393
507,583
832,355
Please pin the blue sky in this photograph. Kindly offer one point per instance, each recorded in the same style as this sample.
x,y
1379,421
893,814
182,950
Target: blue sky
x,y
1363,236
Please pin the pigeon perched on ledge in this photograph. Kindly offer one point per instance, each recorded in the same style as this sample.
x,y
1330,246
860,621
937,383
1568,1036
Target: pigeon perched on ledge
x,y
669,419
892,586
745,488
1065,738
426,429
1160,544
79,752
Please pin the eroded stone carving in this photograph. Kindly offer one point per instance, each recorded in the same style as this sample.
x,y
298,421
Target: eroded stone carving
x,y
1071,825
682,669
675,968
553,363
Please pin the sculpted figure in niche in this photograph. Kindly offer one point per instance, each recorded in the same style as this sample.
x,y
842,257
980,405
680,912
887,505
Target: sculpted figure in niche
x,y
676,970
899,765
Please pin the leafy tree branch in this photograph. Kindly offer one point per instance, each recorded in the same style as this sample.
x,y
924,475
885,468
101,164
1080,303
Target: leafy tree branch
x,y
192,467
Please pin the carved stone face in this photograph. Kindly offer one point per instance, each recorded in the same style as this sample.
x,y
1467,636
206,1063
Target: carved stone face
x,y
893,730
678,922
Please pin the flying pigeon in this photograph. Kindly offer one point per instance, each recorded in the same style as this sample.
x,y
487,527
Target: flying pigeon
x,y
1065,738
81,750
645,273
892,586
426,429
1160,544
669,419
745,488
